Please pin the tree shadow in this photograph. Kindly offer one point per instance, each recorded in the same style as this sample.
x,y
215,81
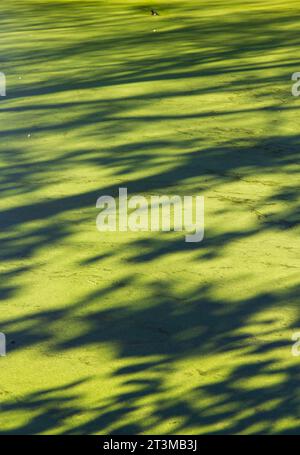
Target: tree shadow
x,y
200,339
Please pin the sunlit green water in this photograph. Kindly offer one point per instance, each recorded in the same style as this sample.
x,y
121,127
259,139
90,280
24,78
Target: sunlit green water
x,y
142,332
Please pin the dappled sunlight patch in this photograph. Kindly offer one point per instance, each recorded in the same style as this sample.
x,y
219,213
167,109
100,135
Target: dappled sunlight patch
x,y
140,332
